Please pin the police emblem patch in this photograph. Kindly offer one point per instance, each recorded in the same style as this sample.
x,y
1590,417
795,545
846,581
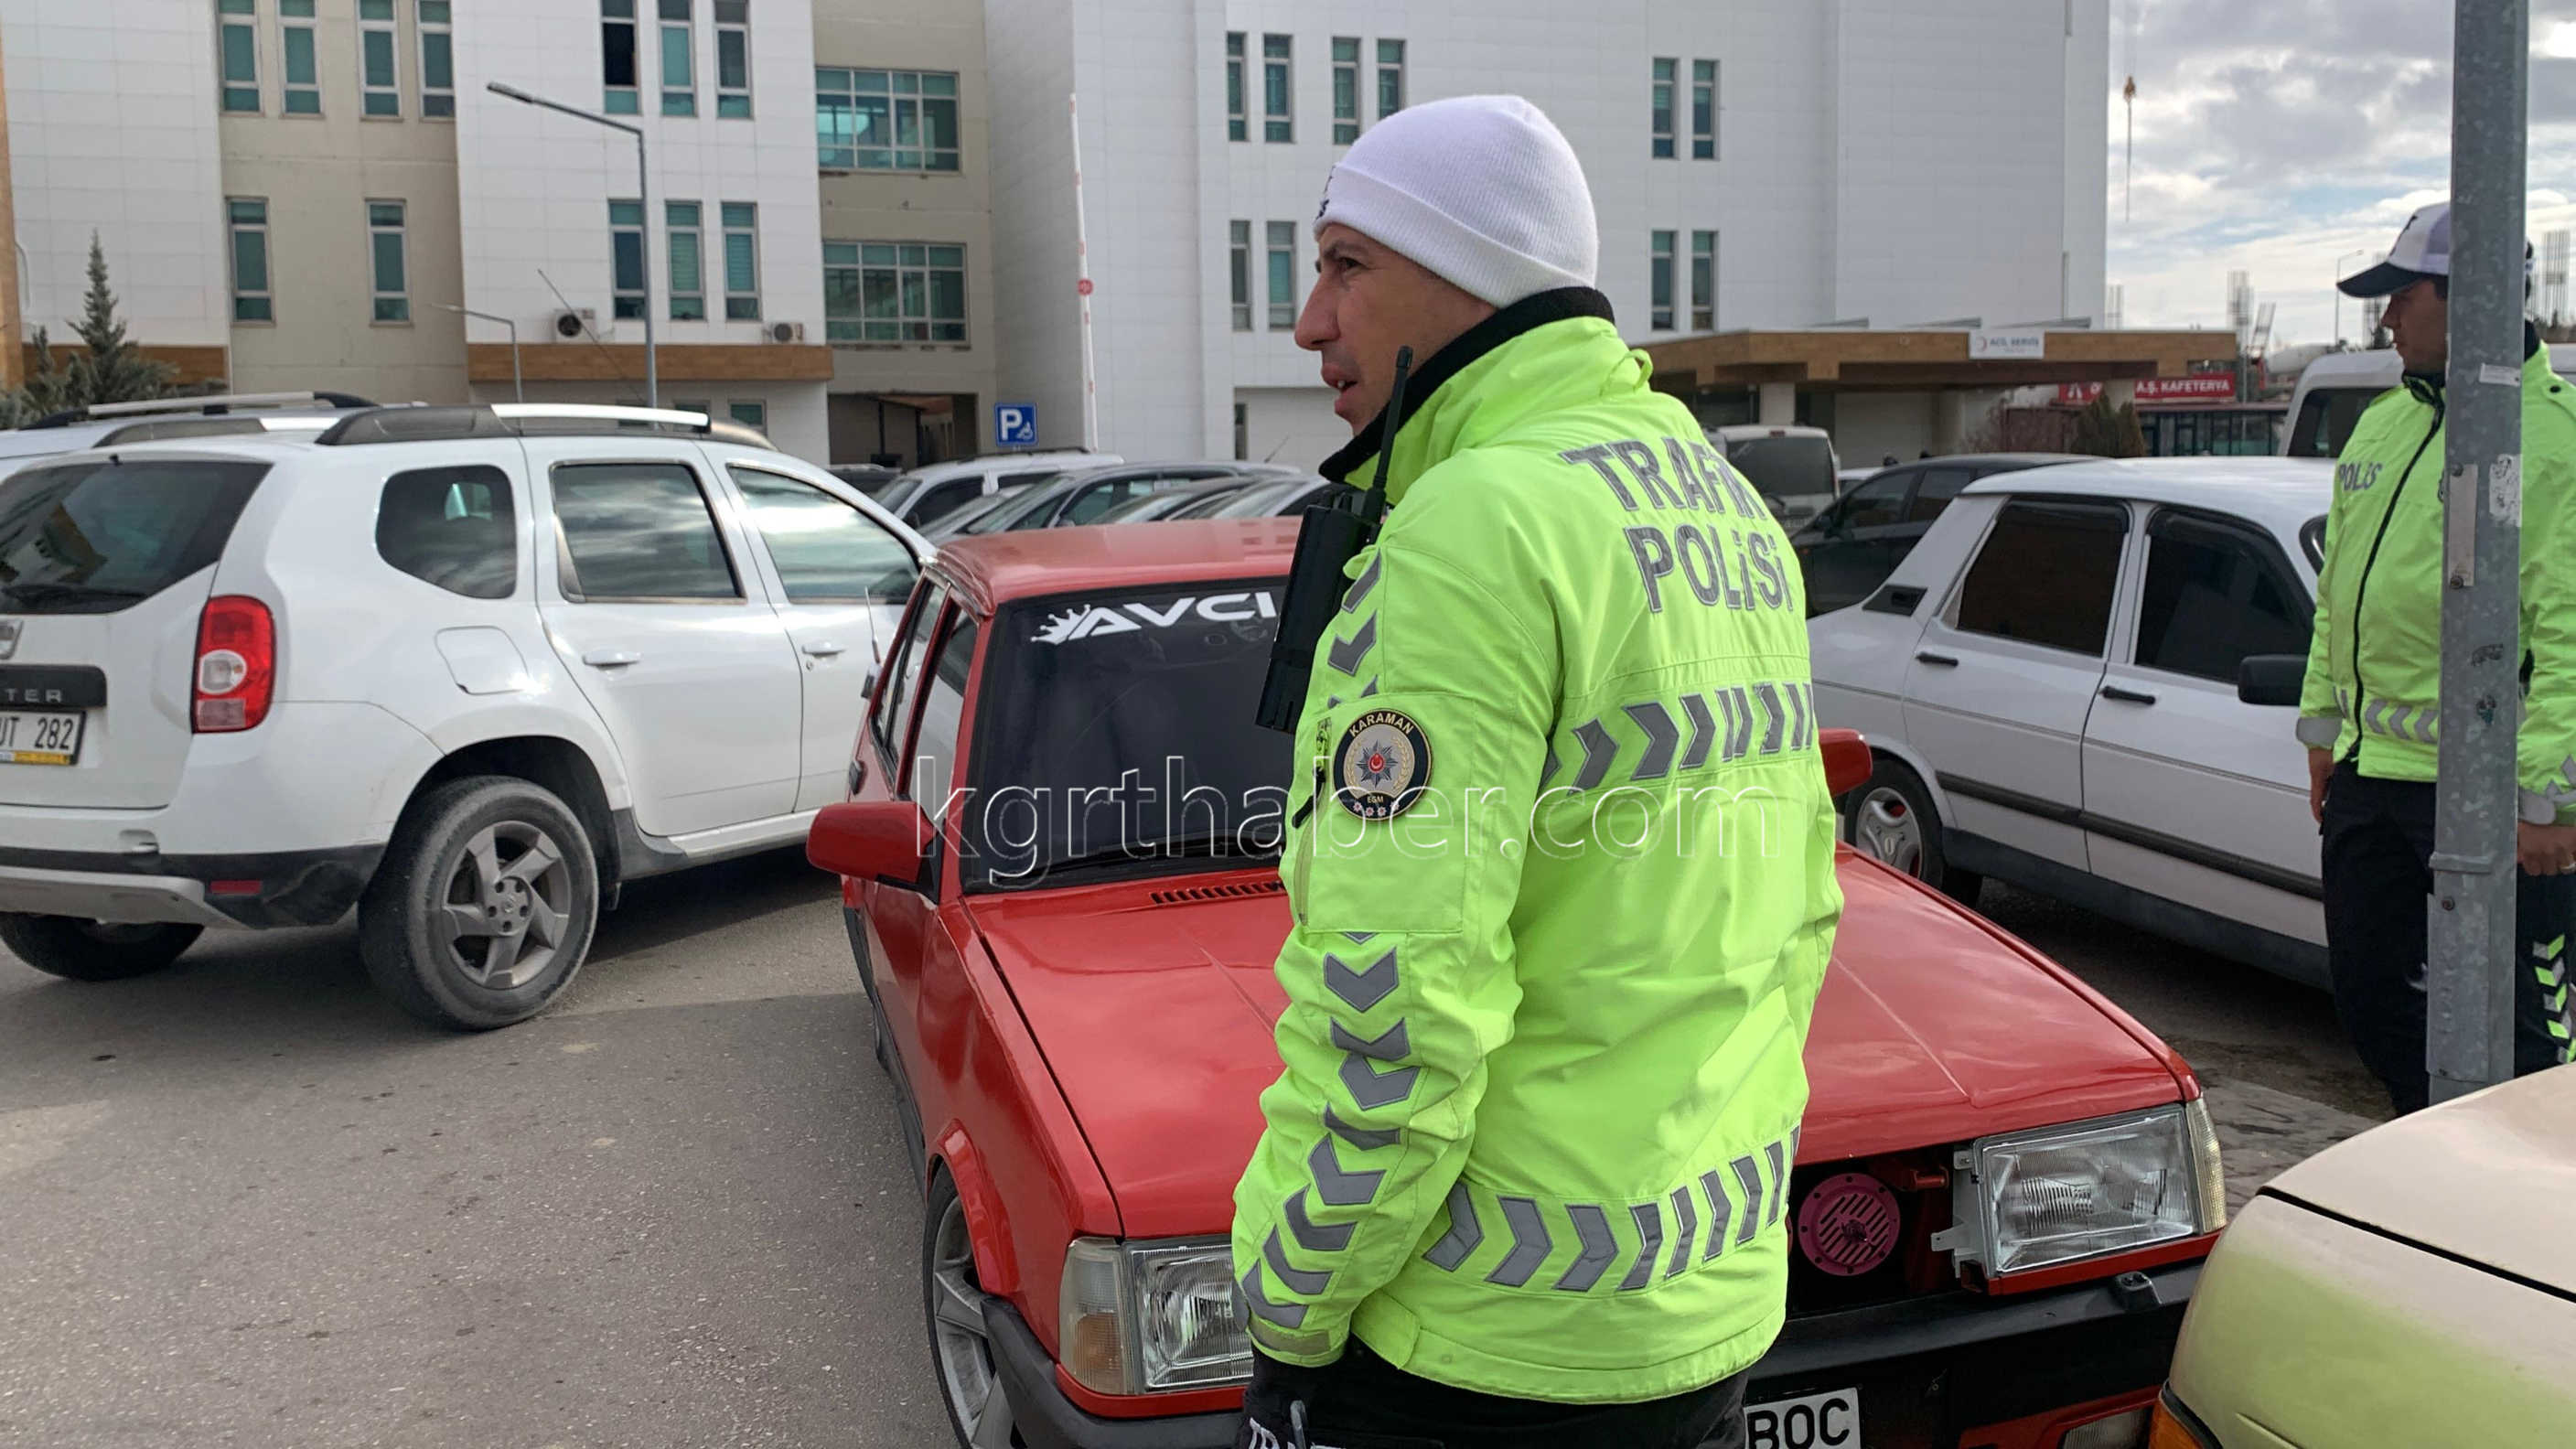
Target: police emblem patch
x,y
1382,765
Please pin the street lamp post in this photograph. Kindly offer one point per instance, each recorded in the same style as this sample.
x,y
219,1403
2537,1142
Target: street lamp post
x,y
518,389
644,238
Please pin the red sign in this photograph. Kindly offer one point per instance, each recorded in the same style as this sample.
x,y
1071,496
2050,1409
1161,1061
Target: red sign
x,y
2199,387
1083,286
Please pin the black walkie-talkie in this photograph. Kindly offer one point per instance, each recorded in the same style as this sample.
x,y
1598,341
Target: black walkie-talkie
x,y
1329,539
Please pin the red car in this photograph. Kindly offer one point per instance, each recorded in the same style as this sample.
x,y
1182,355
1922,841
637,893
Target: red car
x,y
1059,875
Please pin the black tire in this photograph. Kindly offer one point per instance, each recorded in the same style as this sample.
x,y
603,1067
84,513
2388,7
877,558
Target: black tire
x,y
79,950
417,924
1875,817
961,1353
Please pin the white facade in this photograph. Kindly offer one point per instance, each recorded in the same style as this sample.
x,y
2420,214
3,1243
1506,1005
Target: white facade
x,y
1876,158
112,130
533,192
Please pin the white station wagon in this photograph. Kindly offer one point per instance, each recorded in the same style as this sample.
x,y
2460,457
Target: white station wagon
x,y
2051,684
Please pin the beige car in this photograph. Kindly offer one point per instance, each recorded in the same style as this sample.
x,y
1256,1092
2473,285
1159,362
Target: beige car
x,y
2414,1286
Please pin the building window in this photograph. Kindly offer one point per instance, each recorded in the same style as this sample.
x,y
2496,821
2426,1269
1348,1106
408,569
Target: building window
x,y
679,60
1242,432
303,72
626,260
617,55
379,93
238,49
1660,272
1346,89
1662,107
248,216
750,414
1703,110
1703,281
894,292
885,120
1275,124
733,59
1239,271
688,269
1390,78
437,60
1235,129
741,261
385,256
1283,275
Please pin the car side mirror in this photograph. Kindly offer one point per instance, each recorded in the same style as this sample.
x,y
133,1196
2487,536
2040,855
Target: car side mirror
x,y
870,840
1848,763
2271,678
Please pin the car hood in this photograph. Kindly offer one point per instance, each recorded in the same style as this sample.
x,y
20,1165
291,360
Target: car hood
x,y
1153,1005
2486,1178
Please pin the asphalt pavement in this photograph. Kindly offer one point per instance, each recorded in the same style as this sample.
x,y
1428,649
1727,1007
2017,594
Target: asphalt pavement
x,y
247,1202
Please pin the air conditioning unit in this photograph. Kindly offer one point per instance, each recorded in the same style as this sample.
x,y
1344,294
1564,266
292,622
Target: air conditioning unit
x,y
574,323
784,331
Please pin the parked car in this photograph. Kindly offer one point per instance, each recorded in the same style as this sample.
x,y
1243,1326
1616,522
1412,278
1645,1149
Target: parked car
x,y
949,525
1792,468
1079,1036
1848,550
871,479
1151,507
1082,497
2415,1284
2334,389
2050,681
220,415
1288,497
928,494
468,669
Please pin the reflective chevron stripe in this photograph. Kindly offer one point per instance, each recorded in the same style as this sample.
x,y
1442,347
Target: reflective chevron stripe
x,y
1347,655
1600,1247
2551,968
2415,723
1682,733
1336,1187
1649,1218
1464,1234
1311,1235
1662,737
1296,1280
1360,586
1530,1242
1686,1222
1360,989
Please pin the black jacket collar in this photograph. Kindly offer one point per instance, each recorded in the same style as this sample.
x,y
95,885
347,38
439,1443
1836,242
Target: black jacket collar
x,y
1526,315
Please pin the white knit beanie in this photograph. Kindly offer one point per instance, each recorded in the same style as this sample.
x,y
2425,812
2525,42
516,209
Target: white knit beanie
x,y
1482,190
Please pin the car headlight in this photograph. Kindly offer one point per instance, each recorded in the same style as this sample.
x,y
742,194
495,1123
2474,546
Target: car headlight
x,y
1141,1318
2115,1184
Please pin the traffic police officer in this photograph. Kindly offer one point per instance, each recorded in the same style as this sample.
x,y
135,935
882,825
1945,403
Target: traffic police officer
x,y
2371,706
1560,857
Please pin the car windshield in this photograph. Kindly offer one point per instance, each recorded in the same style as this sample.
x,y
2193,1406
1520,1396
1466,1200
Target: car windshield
x,y
2327,416
1003,517
1790,467
1118,737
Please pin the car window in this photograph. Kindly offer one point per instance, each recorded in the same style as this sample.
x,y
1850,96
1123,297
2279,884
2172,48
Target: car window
x,y
1796,466
1026,507
639,531
95,537
1094,501
2216,593
943,498
1939,486
903,673
1023,480
825,550
2046,574
2327,416
1873,504
943,714
452,527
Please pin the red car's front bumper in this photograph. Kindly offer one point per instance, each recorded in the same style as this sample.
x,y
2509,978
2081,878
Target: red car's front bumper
x,y
1955,1371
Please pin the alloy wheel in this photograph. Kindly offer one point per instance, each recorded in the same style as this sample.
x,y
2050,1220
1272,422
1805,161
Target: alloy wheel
x,y
1887,830
508,906
959,1339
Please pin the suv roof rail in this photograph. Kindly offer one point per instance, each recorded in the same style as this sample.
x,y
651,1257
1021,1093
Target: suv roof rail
x,y
520,420
210,406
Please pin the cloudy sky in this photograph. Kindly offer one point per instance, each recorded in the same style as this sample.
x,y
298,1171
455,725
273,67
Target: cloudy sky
x,y
2275,136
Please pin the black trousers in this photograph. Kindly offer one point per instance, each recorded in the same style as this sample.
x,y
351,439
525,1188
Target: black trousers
x,y
1360,1401
2378,845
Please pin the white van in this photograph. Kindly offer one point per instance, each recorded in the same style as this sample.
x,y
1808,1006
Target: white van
x,y
1792,468
2336,387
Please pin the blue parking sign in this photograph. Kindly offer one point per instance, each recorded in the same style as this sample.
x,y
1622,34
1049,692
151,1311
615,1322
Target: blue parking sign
x,y
1015,425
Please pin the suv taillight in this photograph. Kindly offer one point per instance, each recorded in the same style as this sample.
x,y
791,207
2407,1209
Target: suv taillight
x,y
236,664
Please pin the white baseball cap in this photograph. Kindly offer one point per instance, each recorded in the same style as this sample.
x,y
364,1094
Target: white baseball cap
x,y
2423,250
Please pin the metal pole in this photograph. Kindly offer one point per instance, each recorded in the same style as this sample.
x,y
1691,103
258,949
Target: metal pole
x,y
643,198
518,389
1082,282
2469,972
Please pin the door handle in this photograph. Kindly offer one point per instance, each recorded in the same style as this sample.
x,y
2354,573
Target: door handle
x,y
825,648
610,658
2126,696
1944,660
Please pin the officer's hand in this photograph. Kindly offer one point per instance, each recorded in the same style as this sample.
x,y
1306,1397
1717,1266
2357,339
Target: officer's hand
x,y
2545,849
2320,769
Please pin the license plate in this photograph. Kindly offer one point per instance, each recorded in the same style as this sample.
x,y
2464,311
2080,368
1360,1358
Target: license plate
x,y
1818,1421
40,739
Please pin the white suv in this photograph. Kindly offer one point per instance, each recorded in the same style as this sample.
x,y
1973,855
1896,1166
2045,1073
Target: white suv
x,y
466,668
927,494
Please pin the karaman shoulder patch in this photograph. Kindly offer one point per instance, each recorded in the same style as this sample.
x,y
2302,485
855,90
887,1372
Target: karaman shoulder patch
x,y
1382,766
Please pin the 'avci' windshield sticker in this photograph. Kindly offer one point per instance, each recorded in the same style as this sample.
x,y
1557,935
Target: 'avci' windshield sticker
x,y
1383,764
1082,623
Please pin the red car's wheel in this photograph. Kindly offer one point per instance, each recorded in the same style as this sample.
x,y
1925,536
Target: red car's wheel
x,y
961,1347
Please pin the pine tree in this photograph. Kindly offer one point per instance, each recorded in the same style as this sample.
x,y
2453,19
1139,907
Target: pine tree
x,y
114,369
2108,432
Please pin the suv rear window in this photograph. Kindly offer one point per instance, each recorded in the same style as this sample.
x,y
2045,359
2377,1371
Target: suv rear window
x,y
452,527
95,537
1791,467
